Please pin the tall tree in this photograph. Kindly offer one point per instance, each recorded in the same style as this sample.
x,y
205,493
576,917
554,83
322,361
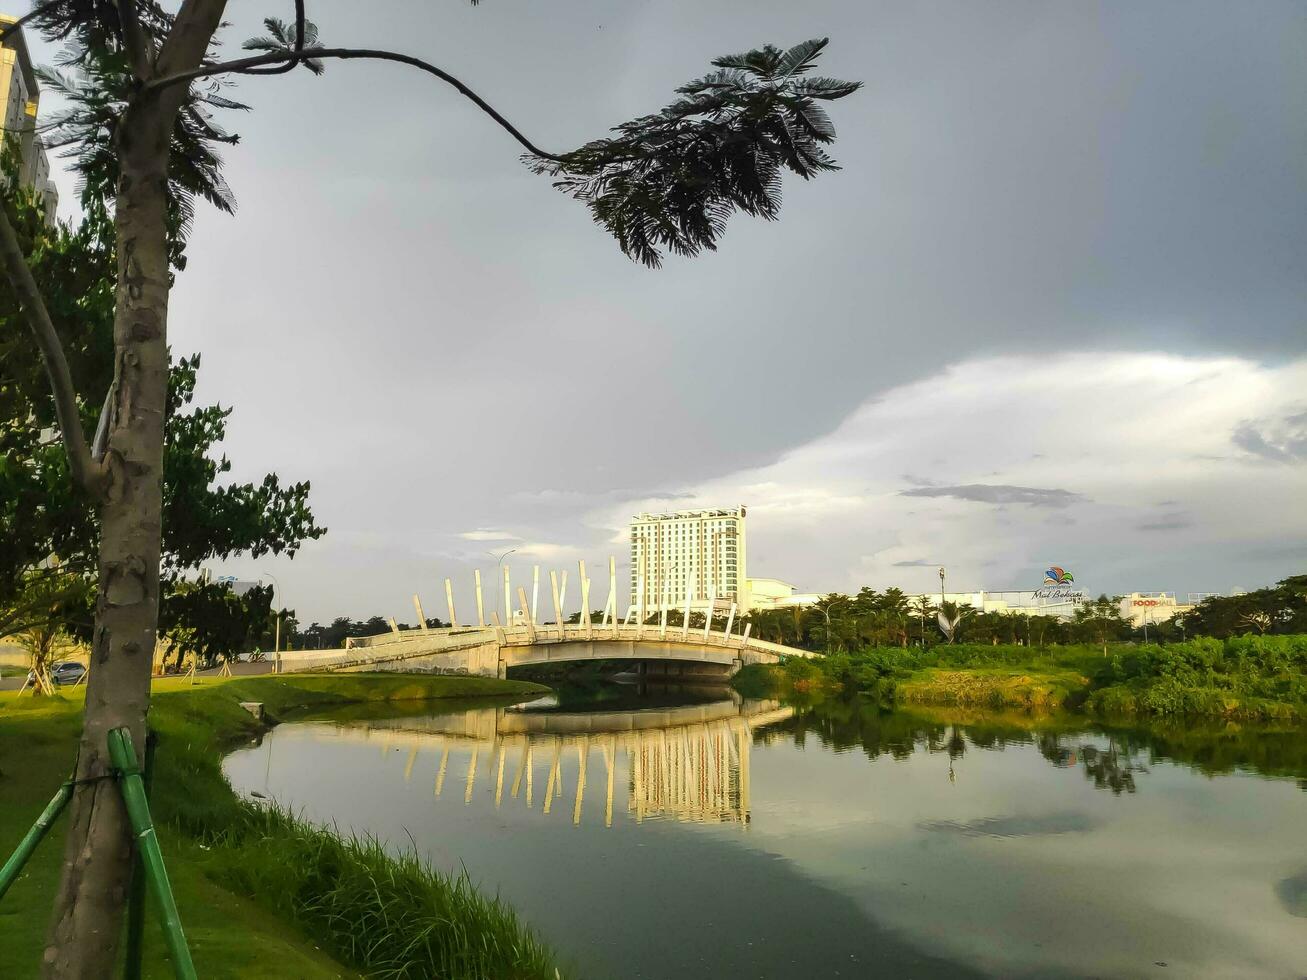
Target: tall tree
x,y
668,181
205,515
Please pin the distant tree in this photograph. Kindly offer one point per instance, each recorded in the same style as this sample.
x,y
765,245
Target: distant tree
x,y
1279,609
38,615
1100,621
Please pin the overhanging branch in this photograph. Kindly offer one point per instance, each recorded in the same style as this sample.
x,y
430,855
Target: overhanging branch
x,y
243,66
299,47
85,471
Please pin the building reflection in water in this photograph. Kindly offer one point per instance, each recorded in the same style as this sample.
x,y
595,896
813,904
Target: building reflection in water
x,y
686,763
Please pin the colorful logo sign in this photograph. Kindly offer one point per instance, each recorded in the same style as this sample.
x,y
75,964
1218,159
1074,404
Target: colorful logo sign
x,y
1058,576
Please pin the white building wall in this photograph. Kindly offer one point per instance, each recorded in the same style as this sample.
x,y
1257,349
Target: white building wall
x,y
699,552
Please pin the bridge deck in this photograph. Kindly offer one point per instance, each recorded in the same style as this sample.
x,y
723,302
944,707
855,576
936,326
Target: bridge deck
x,y
489,650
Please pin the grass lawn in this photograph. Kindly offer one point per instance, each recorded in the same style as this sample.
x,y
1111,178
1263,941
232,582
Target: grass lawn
x,y
230,936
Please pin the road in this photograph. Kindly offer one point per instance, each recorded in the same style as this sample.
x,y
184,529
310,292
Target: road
x,y
240,669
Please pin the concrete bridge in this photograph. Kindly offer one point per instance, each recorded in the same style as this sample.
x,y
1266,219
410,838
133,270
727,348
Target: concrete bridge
x,y
489,649
659,649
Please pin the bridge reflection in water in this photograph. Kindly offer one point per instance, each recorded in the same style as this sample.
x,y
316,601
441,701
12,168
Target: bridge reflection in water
x,y
688,763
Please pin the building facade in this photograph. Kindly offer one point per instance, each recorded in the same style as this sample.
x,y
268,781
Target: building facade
x,y
772,593
20,96
699,554
1147,608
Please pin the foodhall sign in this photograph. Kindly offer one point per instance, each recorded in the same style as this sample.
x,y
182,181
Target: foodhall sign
x,y
1059,586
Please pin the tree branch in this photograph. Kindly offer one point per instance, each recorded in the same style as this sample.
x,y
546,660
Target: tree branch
x,y
85,472
299,47
243,66
188,39
140,49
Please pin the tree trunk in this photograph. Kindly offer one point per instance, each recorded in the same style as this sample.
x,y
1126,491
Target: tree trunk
x,y
87,919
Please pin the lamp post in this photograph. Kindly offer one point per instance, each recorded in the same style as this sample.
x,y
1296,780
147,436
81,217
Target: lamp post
x,y
504,599
276,635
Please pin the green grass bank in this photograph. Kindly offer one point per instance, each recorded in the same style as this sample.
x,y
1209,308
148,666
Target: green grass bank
x,y
1242,678
261,893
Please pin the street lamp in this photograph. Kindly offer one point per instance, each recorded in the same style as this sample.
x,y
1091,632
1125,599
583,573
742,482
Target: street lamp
x,y
276,636
503,593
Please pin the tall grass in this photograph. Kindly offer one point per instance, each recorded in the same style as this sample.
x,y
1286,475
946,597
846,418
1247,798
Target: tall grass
x,y
388,914
391,915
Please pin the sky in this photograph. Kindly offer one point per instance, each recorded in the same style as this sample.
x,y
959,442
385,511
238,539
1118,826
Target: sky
x,y
1051,310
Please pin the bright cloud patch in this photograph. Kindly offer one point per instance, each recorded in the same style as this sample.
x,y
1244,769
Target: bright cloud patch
x,y
998,468
488,534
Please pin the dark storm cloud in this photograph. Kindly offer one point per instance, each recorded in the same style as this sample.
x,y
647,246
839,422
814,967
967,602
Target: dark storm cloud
x,y
998,493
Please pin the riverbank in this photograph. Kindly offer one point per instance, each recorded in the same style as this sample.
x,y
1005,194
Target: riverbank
x,y
1244,678
232,864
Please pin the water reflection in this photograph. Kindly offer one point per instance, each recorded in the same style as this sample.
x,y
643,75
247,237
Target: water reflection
x,y
1112,756
689,762
929,844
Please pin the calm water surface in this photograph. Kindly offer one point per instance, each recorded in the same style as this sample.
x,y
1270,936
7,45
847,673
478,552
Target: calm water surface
x,y
701,835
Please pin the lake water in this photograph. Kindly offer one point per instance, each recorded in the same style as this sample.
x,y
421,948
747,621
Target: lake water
x,y
696,834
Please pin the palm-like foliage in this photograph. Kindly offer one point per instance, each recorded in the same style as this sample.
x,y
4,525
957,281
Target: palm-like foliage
x,y
97,87
281,37
671,180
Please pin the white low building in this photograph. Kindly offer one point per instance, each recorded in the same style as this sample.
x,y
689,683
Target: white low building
x,y
1146,608
772,593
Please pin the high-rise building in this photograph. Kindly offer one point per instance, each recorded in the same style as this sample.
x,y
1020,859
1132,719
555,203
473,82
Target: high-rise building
x,y
19,96
696,552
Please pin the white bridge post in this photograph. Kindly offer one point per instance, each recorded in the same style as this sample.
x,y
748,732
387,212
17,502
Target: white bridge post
x,y
422,619
562,590
610,609
508,599
449,598
530,620
663,586
707,619
744,640
730,622
585,601
689,593
481,609
535,592
558,605
642,583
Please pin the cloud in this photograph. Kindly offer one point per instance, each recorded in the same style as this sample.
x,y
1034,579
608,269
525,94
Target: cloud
x,y
1102,436
1282,442
1175,523
488,534
991,493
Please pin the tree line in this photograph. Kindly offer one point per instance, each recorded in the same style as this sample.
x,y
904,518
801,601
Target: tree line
x,y
892,618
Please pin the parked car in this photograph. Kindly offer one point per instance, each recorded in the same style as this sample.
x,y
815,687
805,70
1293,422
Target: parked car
x,y
62,672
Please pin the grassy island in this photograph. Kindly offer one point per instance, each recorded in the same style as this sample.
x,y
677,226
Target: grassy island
x,y
1250,678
